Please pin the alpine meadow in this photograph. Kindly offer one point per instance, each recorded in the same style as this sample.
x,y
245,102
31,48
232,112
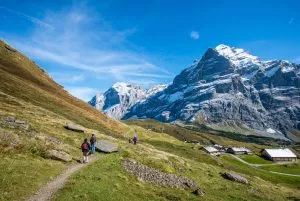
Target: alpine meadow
x,y
131,100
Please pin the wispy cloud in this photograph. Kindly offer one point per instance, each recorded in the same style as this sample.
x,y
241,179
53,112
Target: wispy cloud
x,y
84,93
66,78
195,35
29,18
291,20
82,39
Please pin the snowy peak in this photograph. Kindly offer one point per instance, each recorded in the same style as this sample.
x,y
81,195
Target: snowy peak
x,y
126,88
239,57
155,89
116,101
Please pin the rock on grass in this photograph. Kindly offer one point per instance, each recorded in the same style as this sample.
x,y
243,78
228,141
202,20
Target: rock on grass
x,y
235,177
106,146
60,155
154,176
74,127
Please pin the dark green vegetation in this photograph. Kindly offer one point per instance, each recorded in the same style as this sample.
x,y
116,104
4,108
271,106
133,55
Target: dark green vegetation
x,y
201,133
288,168
238,166
28,93
254,159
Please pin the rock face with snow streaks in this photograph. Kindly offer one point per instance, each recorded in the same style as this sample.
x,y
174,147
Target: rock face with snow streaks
x,y
229,89
116,101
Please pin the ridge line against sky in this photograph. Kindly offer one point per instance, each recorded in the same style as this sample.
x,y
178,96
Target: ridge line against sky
x,y
87,45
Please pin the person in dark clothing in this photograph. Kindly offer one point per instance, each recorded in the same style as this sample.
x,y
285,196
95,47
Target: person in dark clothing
x,y
85,147
93,143
135,138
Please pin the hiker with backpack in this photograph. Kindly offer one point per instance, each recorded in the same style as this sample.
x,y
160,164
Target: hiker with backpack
x,y
135,138
85,147
93,143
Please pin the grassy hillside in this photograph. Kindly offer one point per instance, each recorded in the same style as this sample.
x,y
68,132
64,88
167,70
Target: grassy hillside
x,y
23,79
29,94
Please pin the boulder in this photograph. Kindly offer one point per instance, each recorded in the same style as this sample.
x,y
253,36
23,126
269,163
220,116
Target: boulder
x,y
106,146
75,127
235,177
60,155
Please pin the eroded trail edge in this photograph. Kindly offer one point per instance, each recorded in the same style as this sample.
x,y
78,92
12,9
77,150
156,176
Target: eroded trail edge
x,y
47,191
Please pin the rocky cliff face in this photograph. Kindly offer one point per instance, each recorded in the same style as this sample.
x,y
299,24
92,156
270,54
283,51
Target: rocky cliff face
x,y
230,89
116,101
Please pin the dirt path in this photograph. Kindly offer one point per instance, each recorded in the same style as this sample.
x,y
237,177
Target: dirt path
x,y
257,166
46,192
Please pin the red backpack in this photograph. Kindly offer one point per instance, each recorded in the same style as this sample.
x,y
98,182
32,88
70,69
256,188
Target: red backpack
x,y
84,146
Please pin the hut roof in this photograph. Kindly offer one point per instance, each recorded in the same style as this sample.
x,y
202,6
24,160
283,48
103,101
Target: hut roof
x,y
280,153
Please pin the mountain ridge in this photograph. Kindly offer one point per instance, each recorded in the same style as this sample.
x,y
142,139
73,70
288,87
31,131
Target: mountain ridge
x,y
121,96
229,88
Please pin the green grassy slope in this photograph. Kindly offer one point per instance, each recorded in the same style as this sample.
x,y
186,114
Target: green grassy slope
x,y
28,93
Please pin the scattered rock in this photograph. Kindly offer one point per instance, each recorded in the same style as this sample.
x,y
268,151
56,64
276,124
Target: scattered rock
x,y
74,127
235,177
154,176
60,155
198,192
10,48
106,146
13,122
53,140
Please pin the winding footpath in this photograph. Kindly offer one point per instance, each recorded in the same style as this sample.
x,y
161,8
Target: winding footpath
x,y
257,166
46,192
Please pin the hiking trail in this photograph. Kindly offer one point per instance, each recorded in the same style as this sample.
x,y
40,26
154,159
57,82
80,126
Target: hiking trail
x,y
46,192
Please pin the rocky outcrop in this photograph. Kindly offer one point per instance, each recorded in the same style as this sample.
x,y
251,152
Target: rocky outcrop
x,y
154,176
75,127
60,155
106,146
235,177
13,122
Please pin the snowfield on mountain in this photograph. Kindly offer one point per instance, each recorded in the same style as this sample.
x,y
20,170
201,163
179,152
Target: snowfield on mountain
x,y
227,89
116,101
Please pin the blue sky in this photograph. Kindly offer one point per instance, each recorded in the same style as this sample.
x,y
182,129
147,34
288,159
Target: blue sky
x,y
88,45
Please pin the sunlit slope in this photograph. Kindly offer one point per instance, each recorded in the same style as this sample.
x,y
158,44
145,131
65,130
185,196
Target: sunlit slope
x,y
20,77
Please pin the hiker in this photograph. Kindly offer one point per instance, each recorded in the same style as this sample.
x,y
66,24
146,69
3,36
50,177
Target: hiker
x,y
135,138
93,142
85,147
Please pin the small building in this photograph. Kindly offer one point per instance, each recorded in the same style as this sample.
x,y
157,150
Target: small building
x,y
279,154
211,150
239,150
220,148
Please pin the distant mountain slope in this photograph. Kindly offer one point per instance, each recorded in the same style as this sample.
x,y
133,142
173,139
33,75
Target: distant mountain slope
x,y
116,101
229,89
22,78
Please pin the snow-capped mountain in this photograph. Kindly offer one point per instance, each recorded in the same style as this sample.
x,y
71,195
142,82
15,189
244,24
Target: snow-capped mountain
x,y
116,101
230,89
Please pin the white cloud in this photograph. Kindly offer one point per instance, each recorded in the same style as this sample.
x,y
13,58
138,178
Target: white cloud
x,y
291,20
29,18
84,93
82,39
66,78
194,35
